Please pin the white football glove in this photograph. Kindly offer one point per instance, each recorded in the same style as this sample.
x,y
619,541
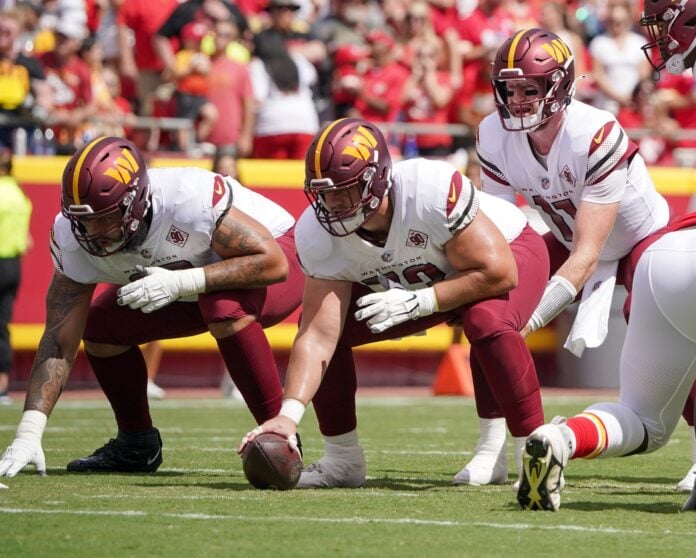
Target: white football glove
x,y
161,287
395,306
26,448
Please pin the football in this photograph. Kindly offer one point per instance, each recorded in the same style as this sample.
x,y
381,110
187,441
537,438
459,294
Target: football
x,y
269,462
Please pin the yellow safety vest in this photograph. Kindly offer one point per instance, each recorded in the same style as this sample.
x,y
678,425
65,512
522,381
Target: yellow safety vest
x,y
15,211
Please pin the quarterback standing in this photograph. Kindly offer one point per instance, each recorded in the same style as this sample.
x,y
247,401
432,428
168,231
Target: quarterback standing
x,y
183,251
390,250
658,360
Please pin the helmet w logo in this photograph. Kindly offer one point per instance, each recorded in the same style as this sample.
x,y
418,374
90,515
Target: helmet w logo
x,y
362,146
124,169
558,50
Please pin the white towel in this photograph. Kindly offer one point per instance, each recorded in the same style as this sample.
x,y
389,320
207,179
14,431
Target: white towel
x,y
591,323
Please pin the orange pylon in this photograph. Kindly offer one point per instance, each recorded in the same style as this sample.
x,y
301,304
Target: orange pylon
x,y
453,375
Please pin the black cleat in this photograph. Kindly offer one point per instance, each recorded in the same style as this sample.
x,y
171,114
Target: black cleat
x,y
127,453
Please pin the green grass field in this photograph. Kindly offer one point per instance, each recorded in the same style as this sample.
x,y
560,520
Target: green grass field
x,y
199,503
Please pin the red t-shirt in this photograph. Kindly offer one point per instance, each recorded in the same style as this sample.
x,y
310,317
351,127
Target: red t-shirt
x,y
422,110
385,83
145,18
230,84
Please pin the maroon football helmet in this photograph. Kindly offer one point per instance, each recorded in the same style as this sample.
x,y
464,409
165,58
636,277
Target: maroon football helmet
x,y
105,177
671,25
343,154
542,62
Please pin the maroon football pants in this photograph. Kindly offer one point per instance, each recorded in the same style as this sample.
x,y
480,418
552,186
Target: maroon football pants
x,y
247,354
505,379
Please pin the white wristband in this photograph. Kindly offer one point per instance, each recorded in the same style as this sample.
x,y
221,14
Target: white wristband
x,y
293,409
558,294
32,425
427,301
191,281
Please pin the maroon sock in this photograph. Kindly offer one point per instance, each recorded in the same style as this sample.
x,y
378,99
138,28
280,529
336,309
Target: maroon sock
x,y
124,381
512,378
334,402
249,360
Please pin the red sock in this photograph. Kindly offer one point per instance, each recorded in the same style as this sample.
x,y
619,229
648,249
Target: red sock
x,y
251,365
590,435
124,381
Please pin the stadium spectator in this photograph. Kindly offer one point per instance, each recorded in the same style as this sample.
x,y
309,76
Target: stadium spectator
x,y
286,117
350,62
206,12
192,77
617,63
434,249
379,95
70,81
219,258
137,23
232,95
427,95
113,114
23,88
15,212
346,23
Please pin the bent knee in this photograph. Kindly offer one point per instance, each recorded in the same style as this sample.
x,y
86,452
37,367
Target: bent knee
x,y
481,323
104,350
227,328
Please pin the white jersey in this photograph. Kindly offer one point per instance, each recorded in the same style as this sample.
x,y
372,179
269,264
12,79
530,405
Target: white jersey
x,y
589,148
432,202
186,206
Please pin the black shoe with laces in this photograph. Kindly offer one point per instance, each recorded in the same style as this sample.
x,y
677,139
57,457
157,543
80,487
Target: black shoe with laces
x,y
127,453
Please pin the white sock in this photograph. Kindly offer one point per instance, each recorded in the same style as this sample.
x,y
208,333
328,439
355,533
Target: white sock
x,y
339,446
492,435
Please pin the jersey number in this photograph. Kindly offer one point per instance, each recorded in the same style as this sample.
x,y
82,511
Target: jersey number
x,y
553,209
419,273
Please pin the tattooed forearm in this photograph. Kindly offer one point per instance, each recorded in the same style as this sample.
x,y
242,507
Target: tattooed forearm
x,y
251,256
67,304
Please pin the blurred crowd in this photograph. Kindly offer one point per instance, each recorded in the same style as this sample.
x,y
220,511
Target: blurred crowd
x,y
256,78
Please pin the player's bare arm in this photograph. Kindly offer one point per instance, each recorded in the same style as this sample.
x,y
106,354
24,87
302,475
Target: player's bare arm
x,y
486,263
67,304
593,223
324,307
251,256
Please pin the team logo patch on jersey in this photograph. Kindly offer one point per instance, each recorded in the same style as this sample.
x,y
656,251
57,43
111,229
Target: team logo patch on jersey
x,y
454,192
387,256
567,176
177,237
218,189
545,183
417,239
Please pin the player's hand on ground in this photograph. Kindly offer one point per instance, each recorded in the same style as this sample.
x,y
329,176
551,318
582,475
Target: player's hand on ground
x,y
23,451
280,425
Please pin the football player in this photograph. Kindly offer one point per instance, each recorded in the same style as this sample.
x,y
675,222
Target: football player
x,y
181,251
390,250
575,164
671,25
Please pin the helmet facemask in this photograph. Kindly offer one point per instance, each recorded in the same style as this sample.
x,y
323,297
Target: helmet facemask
x,y
362,203
99,243
541,94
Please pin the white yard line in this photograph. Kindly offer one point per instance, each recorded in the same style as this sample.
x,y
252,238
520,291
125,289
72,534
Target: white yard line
x,y
344,520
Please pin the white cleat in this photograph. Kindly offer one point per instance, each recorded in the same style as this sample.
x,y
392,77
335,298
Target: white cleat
x,y
545,457
347,471
689,481
486,467
154,391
